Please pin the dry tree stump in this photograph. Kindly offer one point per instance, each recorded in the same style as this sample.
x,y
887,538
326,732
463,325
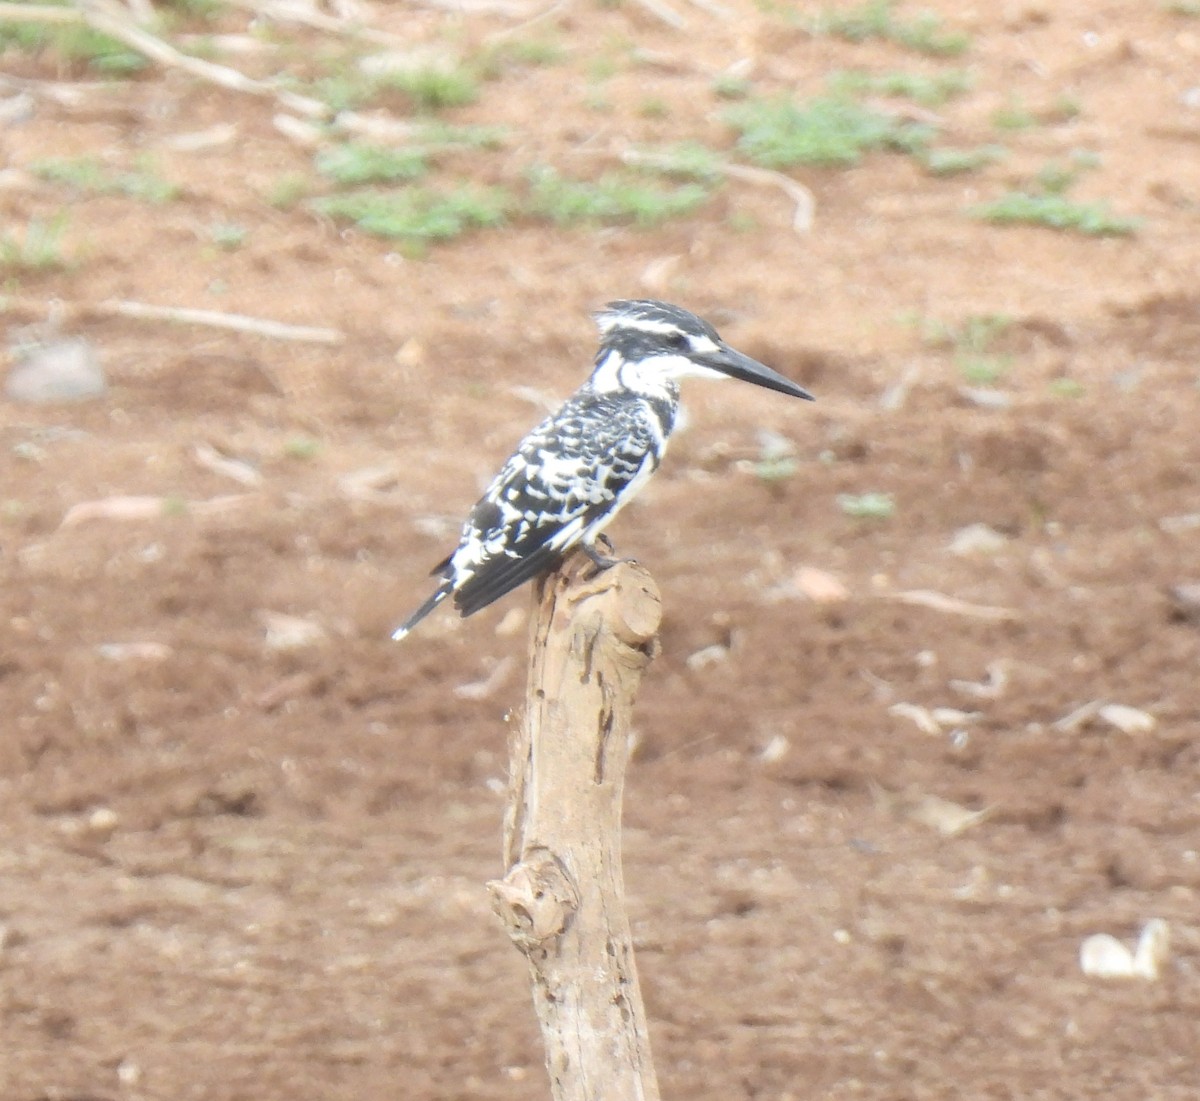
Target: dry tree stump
x,y
562,900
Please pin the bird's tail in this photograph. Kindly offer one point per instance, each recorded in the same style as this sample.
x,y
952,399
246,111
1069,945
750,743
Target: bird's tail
x,y
424,610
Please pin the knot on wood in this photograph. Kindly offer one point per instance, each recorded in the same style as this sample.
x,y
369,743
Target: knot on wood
x,y
535,901
624,598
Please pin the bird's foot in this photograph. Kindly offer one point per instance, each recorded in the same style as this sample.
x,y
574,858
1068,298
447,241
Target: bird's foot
x,y
600,560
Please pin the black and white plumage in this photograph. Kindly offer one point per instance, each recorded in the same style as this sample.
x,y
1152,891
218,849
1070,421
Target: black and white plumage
x,y
572,474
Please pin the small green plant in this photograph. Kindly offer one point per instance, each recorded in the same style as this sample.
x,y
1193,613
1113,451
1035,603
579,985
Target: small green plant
x,y
303,448
972,343
830,131
288,190
980,369
930,91
227,235
1067,387
1014,115
359,163
344,90
742,221
344,86
776,459
973,348
433,87
948,161
88,175
867,506
72,43
436,133
1064,109
602,68
730,86
614,197
1056,212
525,51
417,215
1055,177
37,249
688,160
875,19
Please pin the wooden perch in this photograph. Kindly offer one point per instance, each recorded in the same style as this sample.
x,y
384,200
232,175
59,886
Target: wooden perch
x,y
562,901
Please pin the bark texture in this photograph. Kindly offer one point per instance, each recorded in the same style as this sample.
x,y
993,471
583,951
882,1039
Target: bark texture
x,y
562,900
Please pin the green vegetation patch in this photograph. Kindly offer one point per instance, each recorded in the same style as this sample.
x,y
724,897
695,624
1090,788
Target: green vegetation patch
x,y
361,163
614,197
71,43
433,87
830,131
1055,211
972,343
923,33
37,249
688,160
949,161
522,52
930,91
89,175
436,133
345,86
418,215
867,506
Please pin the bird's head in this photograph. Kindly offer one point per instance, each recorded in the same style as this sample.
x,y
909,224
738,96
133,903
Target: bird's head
x,y
648,347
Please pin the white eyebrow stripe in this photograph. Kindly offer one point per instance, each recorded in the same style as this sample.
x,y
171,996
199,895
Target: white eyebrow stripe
x,y
650,325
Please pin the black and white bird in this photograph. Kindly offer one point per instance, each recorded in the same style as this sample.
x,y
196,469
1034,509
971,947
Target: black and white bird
x,y
573,473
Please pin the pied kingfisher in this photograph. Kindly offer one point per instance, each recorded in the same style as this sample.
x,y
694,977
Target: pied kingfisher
x,y
572,474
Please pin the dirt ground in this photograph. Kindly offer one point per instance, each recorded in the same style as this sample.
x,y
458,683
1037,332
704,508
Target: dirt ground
x,y
244,836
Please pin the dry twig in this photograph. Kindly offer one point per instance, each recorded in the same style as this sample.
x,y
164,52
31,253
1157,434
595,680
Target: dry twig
x,y
940,602
105,20
141,311
540,17
308,15
665,13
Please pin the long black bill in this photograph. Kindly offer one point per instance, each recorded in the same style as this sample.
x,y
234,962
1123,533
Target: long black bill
x,y
732,363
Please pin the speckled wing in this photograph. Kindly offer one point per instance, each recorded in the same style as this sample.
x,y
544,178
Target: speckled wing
x,y
565,481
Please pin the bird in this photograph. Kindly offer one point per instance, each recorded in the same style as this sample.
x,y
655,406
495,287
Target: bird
x,y
572,474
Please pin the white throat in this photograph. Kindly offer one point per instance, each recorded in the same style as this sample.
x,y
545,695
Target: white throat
x,y
656,377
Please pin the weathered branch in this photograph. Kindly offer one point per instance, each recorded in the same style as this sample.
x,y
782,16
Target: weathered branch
x,y
562,901
183,315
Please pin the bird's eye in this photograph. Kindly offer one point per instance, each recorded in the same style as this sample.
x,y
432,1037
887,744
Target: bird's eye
x,y
679,340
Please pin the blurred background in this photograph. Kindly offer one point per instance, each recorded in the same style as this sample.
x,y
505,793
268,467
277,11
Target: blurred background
x,y
282,283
